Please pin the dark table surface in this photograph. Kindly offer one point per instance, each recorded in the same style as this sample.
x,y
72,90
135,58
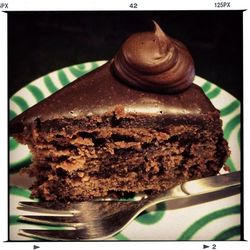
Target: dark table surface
x,y
41,42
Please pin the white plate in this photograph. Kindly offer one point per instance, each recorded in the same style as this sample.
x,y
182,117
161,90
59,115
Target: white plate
x,y
215,220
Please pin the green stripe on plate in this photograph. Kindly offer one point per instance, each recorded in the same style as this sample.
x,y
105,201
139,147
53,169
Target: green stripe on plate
x,y
196,226
19,191
213,93
94,66
76,72
13,220
121,236
230,126
230,108
13,144
25,162
206,86
228,233
50,84
149,218
36,92
81,66
63,77
12,114
21,102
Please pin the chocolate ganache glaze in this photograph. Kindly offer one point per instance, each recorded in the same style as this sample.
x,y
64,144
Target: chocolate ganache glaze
x,y
154,62
100,91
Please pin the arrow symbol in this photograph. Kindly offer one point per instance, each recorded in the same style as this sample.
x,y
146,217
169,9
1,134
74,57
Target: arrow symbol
x,y
205,246
35,247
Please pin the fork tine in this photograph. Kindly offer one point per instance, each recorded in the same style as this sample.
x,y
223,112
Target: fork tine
x,y
48,207
70,221
44,211
71,207
102,228
92,209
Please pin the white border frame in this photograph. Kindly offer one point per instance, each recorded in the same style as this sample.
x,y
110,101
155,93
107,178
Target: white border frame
x,y
29,5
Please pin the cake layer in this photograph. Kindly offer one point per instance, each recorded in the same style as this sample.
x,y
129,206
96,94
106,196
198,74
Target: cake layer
x,y
94,163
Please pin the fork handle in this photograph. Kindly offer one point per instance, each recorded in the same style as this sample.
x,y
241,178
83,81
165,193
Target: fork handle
x,y
196,188
212,184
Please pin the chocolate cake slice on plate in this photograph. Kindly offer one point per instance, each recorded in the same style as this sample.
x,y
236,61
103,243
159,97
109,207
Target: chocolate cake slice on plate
x,y
136,124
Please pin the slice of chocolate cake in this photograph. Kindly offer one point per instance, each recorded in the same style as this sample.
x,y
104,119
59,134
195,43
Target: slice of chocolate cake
x,y
136,124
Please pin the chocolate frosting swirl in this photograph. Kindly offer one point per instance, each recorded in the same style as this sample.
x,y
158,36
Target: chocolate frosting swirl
x,y
154,62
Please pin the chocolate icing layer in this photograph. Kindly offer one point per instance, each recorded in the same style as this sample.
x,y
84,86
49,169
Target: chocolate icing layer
x,y
100,92
154,62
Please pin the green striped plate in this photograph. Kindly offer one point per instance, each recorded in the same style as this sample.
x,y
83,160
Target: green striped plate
x,y
216,220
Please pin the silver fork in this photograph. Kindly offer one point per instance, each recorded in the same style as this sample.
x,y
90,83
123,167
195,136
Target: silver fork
x,y
101,219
